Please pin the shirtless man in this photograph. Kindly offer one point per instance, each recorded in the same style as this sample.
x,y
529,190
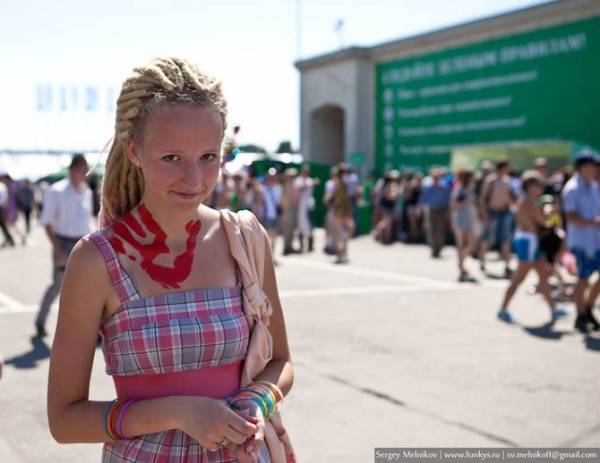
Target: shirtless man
x,y
526,245
495,202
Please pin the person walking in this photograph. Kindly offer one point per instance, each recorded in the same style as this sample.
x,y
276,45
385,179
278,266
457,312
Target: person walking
x,y
463,217
527,247
581,204
435,197
343,220
390,190
304,184
66,216
8,238
272,211
496,200
25,202
289,210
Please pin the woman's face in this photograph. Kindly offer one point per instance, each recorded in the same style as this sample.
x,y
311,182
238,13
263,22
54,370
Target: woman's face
x,y
179,155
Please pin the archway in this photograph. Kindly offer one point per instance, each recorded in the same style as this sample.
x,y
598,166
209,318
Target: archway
x,y
327,137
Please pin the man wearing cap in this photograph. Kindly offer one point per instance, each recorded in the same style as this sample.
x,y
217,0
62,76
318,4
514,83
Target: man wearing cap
x,y
581,203
66,216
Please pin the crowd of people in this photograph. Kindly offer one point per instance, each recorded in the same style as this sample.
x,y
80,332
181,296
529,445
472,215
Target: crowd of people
x,y
16,198
285,204
492,208
514,214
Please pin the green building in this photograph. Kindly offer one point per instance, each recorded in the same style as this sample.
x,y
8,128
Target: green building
x,y
525,83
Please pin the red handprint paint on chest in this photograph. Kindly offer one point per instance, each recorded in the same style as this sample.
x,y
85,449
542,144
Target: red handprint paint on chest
x,y
128,229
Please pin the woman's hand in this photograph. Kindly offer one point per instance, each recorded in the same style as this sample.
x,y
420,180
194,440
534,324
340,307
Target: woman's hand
x,y
209,421
248,451
250,409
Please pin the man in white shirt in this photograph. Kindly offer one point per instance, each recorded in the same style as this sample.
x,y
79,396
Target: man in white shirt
x,y
66,216
8,239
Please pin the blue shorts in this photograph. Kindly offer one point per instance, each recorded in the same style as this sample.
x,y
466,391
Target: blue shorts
x,y
499,229
526,246
586,264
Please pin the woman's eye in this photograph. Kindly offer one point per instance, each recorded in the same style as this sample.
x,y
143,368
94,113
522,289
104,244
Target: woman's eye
x,y
170,157
209,157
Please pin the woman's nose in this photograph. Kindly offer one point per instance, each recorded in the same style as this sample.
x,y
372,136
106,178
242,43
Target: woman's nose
x,y
191,174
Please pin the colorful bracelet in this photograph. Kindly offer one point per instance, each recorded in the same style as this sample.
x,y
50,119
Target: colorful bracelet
x,y
265,394
113,417
271,392
259,400
106,412
275,389
121,415
260,397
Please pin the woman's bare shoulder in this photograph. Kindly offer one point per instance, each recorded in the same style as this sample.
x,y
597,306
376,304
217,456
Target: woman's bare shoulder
x,y
86,260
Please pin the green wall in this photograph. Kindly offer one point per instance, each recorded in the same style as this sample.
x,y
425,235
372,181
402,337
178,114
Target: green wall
x,y
537,86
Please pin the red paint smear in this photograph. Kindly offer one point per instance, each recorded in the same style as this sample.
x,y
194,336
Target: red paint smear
x,y
168,277
117,244
134,225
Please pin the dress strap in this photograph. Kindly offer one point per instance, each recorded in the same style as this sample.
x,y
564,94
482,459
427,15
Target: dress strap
x,y
119,277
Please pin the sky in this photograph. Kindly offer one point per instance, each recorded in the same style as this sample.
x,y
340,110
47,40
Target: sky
x,y
250,45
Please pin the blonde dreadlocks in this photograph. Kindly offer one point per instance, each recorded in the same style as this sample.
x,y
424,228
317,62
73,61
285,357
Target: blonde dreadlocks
x,y
164,81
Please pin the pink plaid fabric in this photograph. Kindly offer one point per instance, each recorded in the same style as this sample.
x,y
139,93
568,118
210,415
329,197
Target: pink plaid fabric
x,y
169,333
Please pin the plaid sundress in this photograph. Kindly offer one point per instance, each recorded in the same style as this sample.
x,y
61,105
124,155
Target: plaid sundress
x,y
174,332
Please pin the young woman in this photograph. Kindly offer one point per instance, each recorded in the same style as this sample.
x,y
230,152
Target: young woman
x,y
341,209
390,191
463,215
162,283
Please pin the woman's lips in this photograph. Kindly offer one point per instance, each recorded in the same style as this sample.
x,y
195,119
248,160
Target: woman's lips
x,y
185,195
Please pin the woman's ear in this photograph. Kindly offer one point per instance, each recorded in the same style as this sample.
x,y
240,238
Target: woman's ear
x,y
132,152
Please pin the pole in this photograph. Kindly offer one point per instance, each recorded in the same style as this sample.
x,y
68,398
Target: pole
x,y
298,29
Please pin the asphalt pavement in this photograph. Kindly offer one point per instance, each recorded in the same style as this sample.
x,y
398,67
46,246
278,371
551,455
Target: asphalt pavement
x,y
388,350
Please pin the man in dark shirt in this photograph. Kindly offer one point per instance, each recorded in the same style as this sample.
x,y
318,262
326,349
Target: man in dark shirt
x,y
435,197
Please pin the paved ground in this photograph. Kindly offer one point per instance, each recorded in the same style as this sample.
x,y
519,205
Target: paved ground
x,y
388,351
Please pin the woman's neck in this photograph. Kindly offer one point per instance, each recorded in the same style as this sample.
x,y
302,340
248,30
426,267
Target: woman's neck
x,y
172,222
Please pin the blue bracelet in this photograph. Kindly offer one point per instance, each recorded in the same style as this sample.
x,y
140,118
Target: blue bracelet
x,y
106,410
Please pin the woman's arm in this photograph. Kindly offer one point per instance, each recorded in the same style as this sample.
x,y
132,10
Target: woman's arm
x,y
74,418
85,292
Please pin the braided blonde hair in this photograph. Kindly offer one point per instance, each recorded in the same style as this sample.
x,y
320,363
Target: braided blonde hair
x,y
163,82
